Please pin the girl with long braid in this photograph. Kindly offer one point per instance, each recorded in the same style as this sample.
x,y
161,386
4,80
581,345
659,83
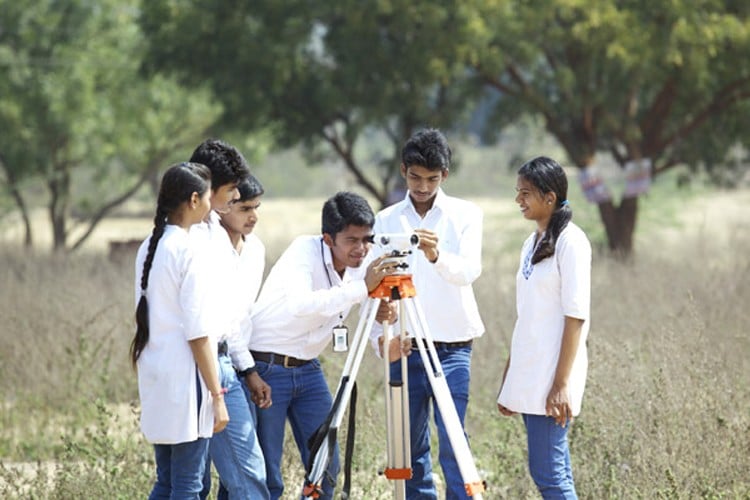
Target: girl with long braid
x,y
174,349
545,373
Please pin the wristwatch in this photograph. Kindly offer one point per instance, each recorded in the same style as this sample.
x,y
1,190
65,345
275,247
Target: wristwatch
x,y
247,371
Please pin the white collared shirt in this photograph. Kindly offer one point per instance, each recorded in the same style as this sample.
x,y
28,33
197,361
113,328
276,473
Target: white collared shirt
x,y
444,289
302,299
221,257
556,287
166,368
250,263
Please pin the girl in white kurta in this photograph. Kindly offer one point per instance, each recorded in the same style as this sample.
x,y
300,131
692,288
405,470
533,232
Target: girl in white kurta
x,y
173,349
545,374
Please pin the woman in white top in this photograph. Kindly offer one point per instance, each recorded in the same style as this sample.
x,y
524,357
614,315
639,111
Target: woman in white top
x,y
545,373
173,350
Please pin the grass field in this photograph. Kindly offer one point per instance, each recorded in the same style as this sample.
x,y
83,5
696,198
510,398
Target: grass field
x,y
666,412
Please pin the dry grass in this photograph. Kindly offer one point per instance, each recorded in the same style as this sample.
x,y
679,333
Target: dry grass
x,y
666,413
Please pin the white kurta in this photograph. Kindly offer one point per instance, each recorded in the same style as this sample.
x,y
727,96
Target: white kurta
x,y
171,411
558,286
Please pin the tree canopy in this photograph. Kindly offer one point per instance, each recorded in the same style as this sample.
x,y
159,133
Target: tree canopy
x,y
321,72
651,84
104,92
79,116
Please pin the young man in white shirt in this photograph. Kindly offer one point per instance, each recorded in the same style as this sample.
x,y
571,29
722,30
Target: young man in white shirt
x,y
450,240
249,262
308,293
235,452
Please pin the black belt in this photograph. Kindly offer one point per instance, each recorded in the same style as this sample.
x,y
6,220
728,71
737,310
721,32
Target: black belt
x,y
223,348
279,359
446,345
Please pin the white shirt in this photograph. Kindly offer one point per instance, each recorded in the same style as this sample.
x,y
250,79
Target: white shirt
x,y
166,368
302,299
558,286
221,257
250,263
444,289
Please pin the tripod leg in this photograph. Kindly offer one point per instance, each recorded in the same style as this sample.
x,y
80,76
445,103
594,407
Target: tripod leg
x,y
398,468
320,458
415,316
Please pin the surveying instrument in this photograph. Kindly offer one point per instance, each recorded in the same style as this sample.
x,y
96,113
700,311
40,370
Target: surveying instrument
x,y
399,288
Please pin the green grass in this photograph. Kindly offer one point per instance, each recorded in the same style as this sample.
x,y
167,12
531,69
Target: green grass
x,y
666,412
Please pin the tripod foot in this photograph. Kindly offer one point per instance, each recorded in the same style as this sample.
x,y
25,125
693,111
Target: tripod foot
x,y
311,490
476,488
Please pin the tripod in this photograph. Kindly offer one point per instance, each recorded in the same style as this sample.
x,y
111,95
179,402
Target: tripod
x,y
399,288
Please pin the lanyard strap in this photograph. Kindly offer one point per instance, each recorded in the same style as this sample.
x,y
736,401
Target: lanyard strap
x,y
328,275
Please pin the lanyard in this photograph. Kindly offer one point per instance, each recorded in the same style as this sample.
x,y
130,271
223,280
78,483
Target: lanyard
x,y
328,275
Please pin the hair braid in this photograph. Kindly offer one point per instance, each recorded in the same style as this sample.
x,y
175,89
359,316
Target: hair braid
x,y
560,218
178,185
141,312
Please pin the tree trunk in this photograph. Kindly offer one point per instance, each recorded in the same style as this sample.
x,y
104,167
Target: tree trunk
x,y
27,239
608,215
619,224
57,219
154,180
627,213
59,187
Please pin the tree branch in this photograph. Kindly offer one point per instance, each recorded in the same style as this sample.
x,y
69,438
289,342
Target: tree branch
x,y
109,206
653,120
345,153
734,92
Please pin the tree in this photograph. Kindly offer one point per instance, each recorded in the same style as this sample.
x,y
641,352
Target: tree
x,y
643,81
77,114
321,72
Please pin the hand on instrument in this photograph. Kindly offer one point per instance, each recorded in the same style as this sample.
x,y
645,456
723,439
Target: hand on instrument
x,y
428,241
377,270
398,347
387,311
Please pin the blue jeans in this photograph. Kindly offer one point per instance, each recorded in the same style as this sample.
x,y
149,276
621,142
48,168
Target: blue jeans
x,y
549,457
179,470
300,394
235,451
456,365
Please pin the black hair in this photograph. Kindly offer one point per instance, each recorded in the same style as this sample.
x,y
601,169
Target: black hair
x,y
548,176
249,188
427,148
177,186
226,163
346,209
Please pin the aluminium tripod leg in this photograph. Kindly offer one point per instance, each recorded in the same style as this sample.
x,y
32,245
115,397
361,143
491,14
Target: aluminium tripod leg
x,y
321,457
416,319
398,468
